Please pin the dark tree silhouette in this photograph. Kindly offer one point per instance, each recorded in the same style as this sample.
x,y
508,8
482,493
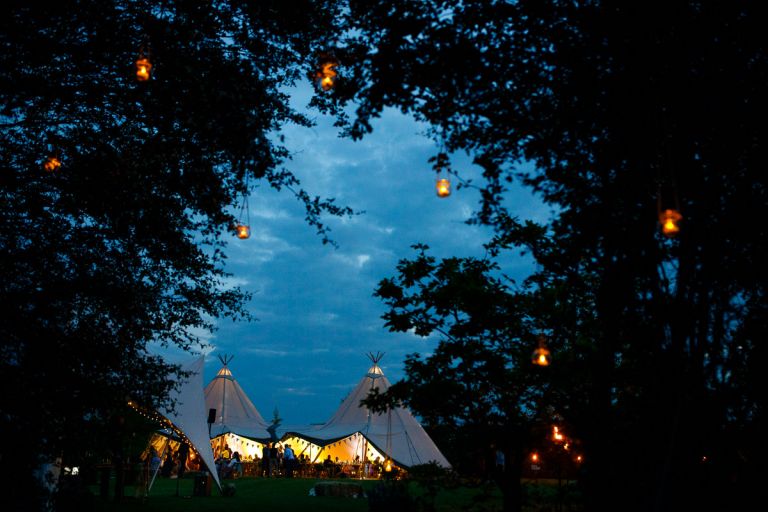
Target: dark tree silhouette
x,y
477,391
619,106
118,242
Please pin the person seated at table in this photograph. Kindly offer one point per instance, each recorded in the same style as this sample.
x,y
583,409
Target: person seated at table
x,y
328,466
233,468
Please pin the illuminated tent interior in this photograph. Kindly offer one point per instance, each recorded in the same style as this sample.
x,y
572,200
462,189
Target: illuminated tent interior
x,y
354,432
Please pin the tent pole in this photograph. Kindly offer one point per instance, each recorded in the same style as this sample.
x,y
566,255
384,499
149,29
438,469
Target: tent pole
x,y
157,469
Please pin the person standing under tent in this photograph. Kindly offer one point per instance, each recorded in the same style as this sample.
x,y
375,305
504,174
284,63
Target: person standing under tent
x,y
273,460
289,460
168,464
265,460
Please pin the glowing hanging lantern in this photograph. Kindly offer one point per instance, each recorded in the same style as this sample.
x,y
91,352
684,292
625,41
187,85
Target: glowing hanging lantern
x,y
52,163
326,75
542,355
143,69
557,436
143,66
669,220
243,226
579,458
443,187
534,457
243,231
388,467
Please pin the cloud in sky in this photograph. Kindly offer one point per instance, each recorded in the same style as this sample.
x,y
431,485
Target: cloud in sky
x,y
317,314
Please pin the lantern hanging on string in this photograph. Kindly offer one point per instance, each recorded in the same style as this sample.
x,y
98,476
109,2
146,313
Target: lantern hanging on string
x,y
668,211
53,162
326,75
669,219
541,356
441,166
143,65
243,228
443,187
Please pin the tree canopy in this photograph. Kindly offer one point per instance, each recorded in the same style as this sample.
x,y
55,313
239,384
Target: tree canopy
x,y
119,243
623,109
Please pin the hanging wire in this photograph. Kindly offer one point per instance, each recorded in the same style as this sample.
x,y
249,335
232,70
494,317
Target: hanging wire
x,y
667,202
143,61
441,165
243,227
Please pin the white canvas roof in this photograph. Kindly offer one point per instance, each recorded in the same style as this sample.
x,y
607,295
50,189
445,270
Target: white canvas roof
x,y
395,433
234,410
191,415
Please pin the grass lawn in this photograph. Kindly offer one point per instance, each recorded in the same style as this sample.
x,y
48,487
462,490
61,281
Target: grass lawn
x,y
252,494
282,494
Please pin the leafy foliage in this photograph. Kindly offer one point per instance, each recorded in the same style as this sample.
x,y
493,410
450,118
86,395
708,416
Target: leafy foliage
x,y
616,105
122,245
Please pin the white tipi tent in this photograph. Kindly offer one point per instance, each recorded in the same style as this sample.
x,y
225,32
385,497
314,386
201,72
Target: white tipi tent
x,y
235,413
355,431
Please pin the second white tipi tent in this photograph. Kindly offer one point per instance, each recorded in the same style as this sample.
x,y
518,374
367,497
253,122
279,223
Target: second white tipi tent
x,y
356,433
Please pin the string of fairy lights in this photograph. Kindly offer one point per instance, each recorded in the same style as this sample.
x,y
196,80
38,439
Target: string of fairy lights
x,y
156,417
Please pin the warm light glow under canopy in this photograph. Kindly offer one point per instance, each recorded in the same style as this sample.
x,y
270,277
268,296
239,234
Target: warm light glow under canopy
x,y
243,231
143,69
541,356
325,77
669,220
52,163
443,187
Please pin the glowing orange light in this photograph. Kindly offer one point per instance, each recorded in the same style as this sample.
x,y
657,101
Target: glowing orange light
x,y
579,458
535,457
52,163
243,231
557,435
143,69
443,187
388,467
669,220
542,355
325,77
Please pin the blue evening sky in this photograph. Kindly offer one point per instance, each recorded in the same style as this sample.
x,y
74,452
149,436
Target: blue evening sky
x,y
317,317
